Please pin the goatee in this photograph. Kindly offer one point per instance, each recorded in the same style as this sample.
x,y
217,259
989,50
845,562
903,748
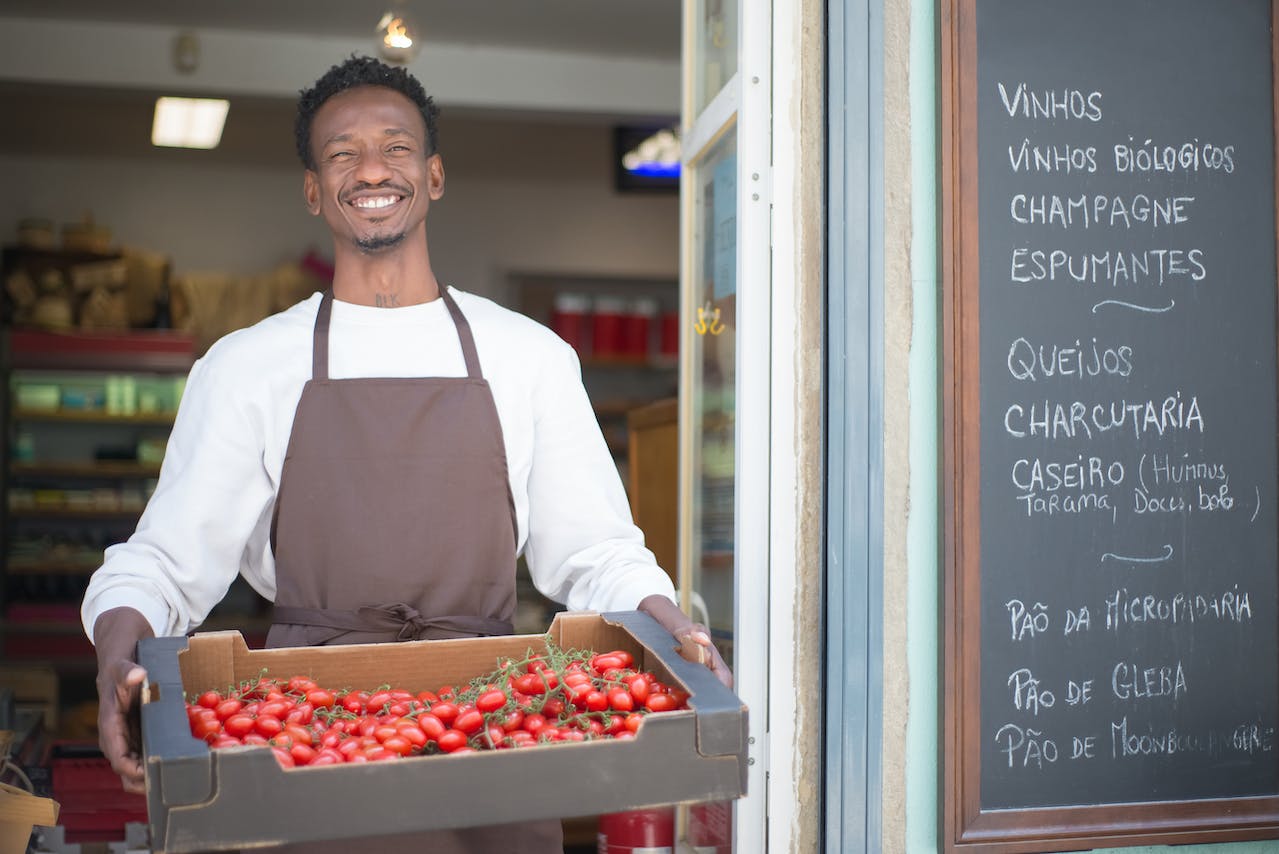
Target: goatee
x,y
369,245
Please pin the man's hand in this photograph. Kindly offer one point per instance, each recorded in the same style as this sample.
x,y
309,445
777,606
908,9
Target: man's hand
x,y
115,635
694,638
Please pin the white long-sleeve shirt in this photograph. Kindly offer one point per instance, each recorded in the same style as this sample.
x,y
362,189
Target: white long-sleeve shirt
x,y
210,516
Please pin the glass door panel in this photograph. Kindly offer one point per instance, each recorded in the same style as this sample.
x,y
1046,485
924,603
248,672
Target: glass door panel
x,y
715,49
711,392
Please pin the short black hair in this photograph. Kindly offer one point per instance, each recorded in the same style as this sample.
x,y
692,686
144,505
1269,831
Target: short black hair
x,y
355,72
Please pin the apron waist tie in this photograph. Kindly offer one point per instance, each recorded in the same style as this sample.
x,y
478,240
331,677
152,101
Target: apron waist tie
x,y
398,621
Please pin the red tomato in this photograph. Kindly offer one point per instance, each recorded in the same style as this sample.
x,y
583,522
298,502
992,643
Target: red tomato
x,y
427,697
553,708
207,730
445,711
494,736
595,701
399,708
601,663
238,725
680,698
469,721
319,698
267,726
274,709
299,734
624,735
412,732
572,735
431,725
398,744
302,714
377,700
638,686
354,702
451,740
255,738
209,699
283,757
520,738
227,708
620,700
491,700
446,692
533,723
332,738
384,732
381,754
349,748
226,741
513,720
633,722
660,703
302,754
301,685
327,759
627,659
529,683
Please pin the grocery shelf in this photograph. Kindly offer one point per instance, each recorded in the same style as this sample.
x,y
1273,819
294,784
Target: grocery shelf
x,y
71,513
89,416
104,469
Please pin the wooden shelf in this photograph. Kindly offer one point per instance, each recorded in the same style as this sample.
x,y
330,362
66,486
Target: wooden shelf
x,y
71,416
52,567
105,469
69,513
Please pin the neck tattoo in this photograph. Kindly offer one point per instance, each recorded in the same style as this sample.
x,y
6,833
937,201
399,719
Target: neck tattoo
x,y
386,300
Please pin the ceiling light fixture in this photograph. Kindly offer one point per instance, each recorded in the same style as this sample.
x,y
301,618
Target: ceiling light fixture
x,y
397,36
188,122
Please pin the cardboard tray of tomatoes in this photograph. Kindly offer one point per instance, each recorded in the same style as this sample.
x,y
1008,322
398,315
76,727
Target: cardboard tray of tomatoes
x,y
203,799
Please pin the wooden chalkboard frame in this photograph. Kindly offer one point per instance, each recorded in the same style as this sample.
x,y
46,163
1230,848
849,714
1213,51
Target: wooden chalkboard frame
x,y
965,826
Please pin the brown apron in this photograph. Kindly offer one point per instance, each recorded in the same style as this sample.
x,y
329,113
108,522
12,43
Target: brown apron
x,y
394,521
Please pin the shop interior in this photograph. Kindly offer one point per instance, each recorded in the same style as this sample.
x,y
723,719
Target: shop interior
x,y
143,255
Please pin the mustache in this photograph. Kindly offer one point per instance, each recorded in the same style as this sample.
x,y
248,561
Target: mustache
x,y
365,187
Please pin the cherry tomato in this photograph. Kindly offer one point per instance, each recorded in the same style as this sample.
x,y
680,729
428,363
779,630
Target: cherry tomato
x,y
638,686
412,732
255,738
274,709
491,700
660,703
399,708
301,685
533,723
628,660
267,726
427,697
624,735
377,701
445,711
302,714
299,734
494,736
319,698
633,722
529,683
451,740
602,663
227,708
620,700
398,744
207,730
226,741
283,757
302,754
209,699
431,725
354,702
469,721
513,720
595,701
553,707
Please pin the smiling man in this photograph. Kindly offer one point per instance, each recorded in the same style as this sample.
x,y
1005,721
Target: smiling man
x,y
375,458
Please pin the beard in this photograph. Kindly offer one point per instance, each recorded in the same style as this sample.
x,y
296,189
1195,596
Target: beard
x,y
377,243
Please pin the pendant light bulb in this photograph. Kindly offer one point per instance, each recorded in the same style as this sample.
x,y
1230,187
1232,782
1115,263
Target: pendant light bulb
x,y
398,39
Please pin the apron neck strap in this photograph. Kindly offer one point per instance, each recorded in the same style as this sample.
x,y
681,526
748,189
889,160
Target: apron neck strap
x,y
320,344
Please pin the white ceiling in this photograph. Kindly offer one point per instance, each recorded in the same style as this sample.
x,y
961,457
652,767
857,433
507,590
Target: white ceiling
x,y
79,76
640,28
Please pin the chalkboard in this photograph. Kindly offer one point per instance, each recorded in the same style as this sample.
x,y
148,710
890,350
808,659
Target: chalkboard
x,y
1114,589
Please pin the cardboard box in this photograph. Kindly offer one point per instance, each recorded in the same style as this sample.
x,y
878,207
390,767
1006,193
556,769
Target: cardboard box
x,y
236,798
20,811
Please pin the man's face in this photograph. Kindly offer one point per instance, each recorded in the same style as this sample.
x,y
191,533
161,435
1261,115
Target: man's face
x,y
373,180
